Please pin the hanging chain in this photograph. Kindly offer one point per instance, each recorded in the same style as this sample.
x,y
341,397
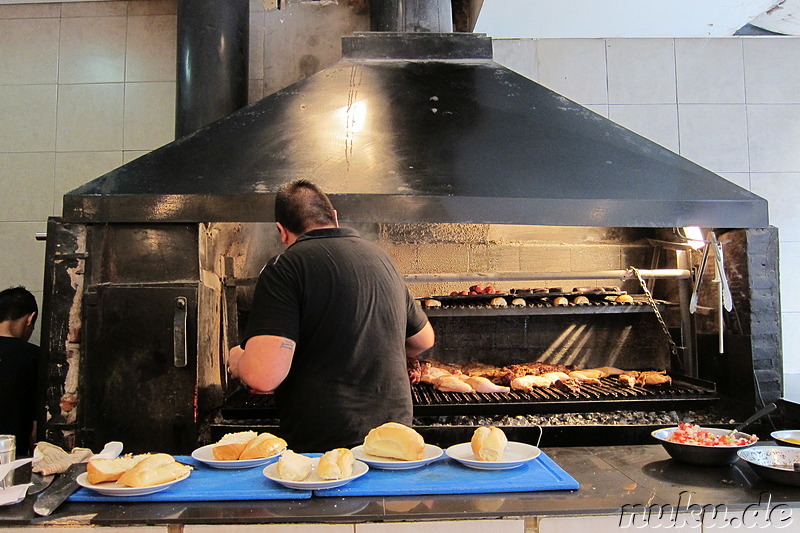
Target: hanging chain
x,y
672,346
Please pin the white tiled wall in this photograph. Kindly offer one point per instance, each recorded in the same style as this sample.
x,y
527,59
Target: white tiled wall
x,y
85,87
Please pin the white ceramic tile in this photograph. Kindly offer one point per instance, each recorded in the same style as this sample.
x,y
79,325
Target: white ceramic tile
x,y
93,9
772,69
742,179
30,177
149,115
30,11
256,46
448,526
773,133
789,265
26,265
517,54
635,520
151,48
714,136
29,51
28,118
641,71
782,192
790,325
90,117
709,71
152,7
657,122
575,68
92,50
76,168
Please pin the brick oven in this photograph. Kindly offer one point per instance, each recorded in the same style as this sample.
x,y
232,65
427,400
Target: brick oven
x,y
465,172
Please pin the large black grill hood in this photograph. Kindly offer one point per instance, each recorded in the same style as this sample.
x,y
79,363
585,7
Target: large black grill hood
x,y
420,127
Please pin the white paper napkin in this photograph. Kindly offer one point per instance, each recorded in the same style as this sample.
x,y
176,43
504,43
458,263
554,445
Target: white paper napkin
x,y
14,494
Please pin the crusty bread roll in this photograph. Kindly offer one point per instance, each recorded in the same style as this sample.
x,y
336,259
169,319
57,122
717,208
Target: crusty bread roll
x,y
395,441
293,466
489,443
336,464
624,298
560,300
265,445
231,446
154,470
105,470
580,300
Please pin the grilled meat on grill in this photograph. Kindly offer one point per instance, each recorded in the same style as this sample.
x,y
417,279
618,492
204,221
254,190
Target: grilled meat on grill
x,y
652,377
414,370
481,384
452,384
528,383
627,380
583,377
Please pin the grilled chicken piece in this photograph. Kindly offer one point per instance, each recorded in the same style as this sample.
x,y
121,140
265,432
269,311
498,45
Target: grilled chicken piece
x,y
481,384
528,383
627,380
595,373
581,376
430,373
556,376
607,371
652,377
452,384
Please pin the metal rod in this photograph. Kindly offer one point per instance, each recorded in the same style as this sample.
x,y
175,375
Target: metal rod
x,y
669,273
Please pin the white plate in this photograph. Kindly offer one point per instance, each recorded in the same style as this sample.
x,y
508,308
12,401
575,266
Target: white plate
x,y
313,482
516,454
206,455
431,454
116,489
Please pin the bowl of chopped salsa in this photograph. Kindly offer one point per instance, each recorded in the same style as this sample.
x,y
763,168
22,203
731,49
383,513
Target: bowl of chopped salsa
x,y
690,443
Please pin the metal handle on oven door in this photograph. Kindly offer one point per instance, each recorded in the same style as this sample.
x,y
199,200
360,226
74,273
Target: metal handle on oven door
x,y
180,357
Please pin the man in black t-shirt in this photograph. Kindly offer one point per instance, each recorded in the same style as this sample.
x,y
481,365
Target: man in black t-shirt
x,y
18,360
330,327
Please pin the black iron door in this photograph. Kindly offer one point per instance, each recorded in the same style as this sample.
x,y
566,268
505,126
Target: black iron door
x,y
138,376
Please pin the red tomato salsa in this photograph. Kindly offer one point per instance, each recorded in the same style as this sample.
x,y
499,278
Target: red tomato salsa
x,y
692,434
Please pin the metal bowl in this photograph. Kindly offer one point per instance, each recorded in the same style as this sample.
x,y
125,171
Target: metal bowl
x,y
697,454
783,437
774,463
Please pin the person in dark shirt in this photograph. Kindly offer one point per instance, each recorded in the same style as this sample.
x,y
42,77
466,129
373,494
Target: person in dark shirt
x,y
331,325
18,360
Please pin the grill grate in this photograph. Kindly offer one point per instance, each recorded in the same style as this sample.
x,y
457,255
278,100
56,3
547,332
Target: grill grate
x,y
684,393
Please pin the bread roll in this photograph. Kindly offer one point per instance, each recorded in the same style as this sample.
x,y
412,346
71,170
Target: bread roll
x,y
154,470
336,464
265,445
625,298
580,300
293,466
560,300
489,443
498,302
231,446
105,470
395,441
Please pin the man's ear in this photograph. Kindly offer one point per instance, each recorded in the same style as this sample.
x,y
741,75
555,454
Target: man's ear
x,y
284,233
30,319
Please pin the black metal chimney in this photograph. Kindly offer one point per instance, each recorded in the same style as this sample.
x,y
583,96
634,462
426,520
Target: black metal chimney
x,y
413,16
212,61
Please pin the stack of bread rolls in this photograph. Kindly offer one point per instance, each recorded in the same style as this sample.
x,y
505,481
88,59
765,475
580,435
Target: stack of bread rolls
x,y
334,464
143,470
246,445
395,441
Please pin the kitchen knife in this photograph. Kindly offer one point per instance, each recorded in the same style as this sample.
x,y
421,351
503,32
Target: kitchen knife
x,y
67,483
39,482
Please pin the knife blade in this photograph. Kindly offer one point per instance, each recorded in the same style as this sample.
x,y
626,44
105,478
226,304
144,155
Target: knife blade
x,y
39,483
67,483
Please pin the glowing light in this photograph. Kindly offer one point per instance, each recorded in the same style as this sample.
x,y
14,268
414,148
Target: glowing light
x,y
354,116
695,236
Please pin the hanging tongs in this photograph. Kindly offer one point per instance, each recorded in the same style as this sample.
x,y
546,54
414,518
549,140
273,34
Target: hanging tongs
x,y
699,279
725,290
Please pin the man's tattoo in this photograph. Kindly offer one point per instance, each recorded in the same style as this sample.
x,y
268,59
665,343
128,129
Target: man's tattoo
x,y
289,345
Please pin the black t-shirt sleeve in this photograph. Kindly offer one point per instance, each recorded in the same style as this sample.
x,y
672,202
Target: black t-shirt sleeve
x,y
276,304
416,316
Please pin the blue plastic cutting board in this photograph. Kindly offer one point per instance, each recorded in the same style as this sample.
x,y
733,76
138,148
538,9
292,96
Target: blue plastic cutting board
x,y
207,484
447,476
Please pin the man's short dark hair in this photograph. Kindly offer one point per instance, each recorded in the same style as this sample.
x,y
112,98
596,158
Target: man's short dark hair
x,y
16,302
300,205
